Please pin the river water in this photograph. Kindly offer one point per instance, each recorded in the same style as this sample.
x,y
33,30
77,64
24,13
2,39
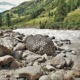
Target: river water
x,y
73,35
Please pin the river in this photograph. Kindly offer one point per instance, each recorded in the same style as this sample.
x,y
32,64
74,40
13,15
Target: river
x,y
73,35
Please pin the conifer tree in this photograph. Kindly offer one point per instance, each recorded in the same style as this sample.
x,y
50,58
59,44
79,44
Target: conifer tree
x,y
0,20
8,19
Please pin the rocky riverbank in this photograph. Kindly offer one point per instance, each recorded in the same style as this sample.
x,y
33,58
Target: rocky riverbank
x,y
37,57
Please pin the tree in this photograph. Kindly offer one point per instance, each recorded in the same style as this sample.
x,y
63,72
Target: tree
x,y
0,20
8,19
49,14
60,12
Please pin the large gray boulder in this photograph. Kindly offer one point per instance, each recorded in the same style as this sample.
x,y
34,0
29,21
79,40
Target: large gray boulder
x,y
30,72
40,44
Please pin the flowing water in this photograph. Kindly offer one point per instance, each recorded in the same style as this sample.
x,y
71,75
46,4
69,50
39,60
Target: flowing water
x,y
73,35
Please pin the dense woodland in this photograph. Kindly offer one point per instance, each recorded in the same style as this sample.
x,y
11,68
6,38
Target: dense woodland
x,y
52,14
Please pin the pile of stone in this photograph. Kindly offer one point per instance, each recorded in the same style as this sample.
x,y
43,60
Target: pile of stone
x,y
36,57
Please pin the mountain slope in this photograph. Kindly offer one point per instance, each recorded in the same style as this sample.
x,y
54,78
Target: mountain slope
x,y
40,12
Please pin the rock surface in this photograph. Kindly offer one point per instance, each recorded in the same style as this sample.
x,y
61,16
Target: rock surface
x,y
40,44
31,72
6,46
44,77
40,60
5,60
15,64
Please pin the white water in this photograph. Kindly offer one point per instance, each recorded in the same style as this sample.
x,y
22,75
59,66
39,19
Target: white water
x,y
73,35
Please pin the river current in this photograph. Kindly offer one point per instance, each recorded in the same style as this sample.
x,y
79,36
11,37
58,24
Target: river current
x,y
73,35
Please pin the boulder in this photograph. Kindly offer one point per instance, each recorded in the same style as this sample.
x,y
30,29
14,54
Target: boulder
x,y
5,60
44,77
50,68
68,60
58,61
15,64
20,46
68,76
32,58
71,74
57,76
40,44
6,46
76,63
30,72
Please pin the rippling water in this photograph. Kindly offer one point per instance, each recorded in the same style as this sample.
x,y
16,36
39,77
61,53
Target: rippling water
x,y
73,35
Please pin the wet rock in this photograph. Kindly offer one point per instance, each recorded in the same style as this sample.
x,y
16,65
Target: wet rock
x,y
44,77
66,41
17,54
40,44
53,37
5,60
30,72
20,46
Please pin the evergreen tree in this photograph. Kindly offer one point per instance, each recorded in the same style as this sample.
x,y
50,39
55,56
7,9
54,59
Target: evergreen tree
x,y
49,14
8,19
0,20
61,11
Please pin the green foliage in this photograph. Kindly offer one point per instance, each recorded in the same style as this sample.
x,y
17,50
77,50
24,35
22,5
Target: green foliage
x,y
0,19
72,21
72,5
37,12
54,25
61,11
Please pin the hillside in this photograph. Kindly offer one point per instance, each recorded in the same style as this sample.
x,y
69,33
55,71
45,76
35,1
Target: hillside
x,y
45,14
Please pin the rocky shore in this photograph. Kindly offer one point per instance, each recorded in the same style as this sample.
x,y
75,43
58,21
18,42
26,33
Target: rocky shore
x,y
37,57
